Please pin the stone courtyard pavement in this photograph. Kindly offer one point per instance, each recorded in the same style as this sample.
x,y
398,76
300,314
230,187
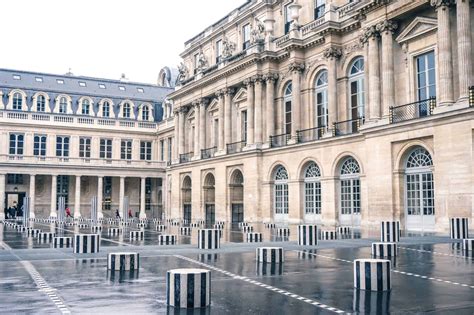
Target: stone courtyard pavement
x,y
430,275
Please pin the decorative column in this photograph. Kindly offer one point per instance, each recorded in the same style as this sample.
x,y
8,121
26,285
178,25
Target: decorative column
x,y
221,142
296,69
258,110
374,72
445,58
386,29
2,196
332,54
270,79
77,199
202,125
54,187
181,130
100,191
176,135
463,20
228,115
142,197
32,195
250,111
121,194
197,117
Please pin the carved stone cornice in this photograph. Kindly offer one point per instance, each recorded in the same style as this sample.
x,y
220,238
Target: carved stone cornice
x,y
270,77
387,26
332,53
442,4
296,67
369,32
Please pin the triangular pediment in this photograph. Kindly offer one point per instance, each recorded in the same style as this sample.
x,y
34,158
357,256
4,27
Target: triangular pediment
x,y
213,105
191,114
419,26
240,96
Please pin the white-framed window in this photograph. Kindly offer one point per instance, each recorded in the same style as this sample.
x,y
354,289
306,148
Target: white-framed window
x,y
287,107
62,105
321,97
350,186
106,109
419,184
105,149
84,147
62,146
246,36
319,8
219,51
40,103
281,191
357,89
86,107
39,145
126,150
145,112
17,101
425,76
145,150
126,110
17,141
312,189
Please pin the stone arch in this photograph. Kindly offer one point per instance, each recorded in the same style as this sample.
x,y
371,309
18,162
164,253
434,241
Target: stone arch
x,y
273,168
406,150
341,158
304,164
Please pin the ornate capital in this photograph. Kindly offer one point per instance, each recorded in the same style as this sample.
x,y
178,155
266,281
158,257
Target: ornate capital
x,y
270,77
229,91
441,4
248,82
257,79
296,67
386,26
369,32
332,52
219,93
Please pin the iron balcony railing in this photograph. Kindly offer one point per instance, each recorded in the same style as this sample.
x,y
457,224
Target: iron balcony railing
x,y
279,140
208,153
310,134
236,147
347,127
185,157
412,111
471,96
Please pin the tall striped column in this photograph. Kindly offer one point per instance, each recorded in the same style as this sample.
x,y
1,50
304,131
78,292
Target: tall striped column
x,y
209,239
372,274
390,231
188,288
308,235
123,261
86,243
459,228
270,255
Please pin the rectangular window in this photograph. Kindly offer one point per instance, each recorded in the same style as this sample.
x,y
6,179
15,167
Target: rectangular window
x,y
105,151
85,147
246,36
288,116
319,8
39,145
15,179
102,86
145,150
162,150
62,146
83,84
426,76
16,143
170,146
59,81
243,126
16,77
140,90
218,51
126,150
39,79
107,190
122,88
288,19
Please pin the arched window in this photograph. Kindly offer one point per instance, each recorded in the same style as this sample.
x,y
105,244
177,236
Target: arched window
x,y
186,195
321,90
106,109
145,113
281,191
356,89
17,101
41,104
236,190
419,190
312,189
126,110
350,192
86,110
287,100
62,105
209,199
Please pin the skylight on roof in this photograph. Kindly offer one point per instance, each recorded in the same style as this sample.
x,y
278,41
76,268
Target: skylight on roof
x,y
140,90
39,79
102,86
81,83
59,81
121,88
16,77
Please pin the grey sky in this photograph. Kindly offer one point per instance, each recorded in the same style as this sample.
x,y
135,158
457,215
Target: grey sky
x,y
103,38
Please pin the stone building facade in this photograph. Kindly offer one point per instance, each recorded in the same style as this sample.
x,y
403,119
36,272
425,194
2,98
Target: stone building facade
x,y
335,112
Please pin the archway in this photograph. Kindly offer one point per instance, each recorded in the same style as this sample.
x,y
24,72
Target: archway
x,y
236,191
349,195
209,199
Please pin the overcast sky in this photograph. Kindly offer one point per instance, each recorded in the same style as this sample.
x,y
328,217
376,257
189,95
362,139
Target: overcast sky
x,y
103,38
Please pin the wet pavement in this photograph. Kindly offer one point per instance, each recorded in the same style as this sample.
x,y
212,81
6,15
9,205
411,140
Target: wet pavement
x,y
430,275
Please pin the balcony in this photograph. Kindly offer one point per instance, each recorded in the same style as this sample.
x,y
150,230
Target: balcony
x,y
311,134
208,153
412,110
186,157
347,127
279,140
236,147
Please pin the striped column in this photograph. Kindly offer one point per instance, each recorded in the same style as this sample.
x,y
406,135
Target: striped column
x,y
185,230
160,228
167,239
372,274
137,235
390,231
343,230
269,269
62,242
141,225
82,226
188,288
307,235
384,249
254,237
113,231
46,236
218,226
96,229
459,228
270,255
283,231
328,235
33,232
123,261
468,244
86,243
242,224
209,239
247,228
270,225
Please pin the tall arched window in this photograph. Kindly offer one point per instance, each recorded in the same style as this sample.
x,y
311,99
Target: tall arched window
x,y
145,113
281,193
86,107
321,90
17,101
419,190
62,105
106,109
126,110
356,89
236,191
350,192
186,195
41,104
209,199
287,100
312,190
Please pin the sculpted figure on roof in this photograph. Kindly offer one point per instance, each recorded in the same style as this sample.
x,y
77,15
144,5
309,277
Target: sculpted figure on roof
x,y
182,72
258,32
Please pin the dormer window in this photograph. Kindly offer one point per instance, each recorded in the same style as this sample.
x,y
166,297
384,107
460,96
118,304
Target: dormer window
x,y
16,77
39,79
246,36
17,101
41,104
62,105
106,109
126,110
140,90
59,81
145,113
121,88
319,8
101,86
81,83
86,107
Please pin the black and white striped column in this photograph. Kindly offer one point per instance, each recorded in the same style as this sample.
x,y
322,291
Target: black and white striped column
x,y
113,231
270,255
343,230
328,235
242,224
96,229
165,239
459,228
160,228
82,226
185,230
254,237
141,225
384,249
123,261
218,226
86,243
188,288
209,239
468,244
372,274
33,232
137,235
390,231
307,235
62,242
283,232
247,228
270,225
46,236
